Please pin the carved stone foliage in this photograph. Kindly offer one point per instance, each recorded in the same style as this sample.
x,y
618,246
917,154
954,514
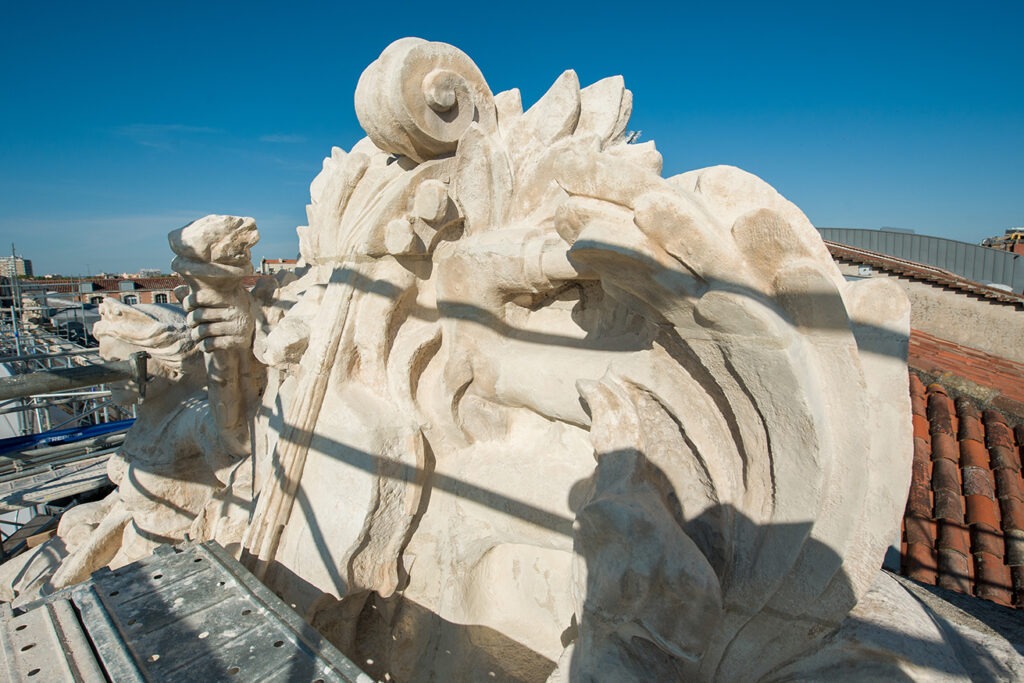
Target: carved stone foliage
x,y
533,411
545,410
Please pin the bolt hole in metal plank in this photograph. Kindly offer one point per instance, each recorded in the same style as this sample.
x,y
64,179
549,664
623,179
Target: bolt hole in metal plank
x,y
191,614
46,644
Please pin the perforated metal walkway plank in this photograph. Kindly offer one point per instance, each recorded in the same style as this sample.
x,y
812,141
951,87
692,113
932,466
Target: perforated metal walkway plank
x,y
54,482
189,615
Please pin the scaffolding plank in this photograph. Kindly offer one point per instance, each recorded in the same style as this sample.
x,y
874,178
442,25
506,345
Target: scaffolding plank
x,y
193,614
47,644
62,481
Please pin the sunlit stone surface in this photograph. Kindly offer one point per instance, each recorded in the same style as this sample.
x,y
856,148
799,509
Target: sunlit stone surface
x,y
531,411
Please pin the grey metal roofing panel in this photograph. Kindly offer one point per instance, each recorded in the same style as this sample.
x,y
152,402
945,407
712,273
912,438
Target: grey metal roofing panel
x,y
977,263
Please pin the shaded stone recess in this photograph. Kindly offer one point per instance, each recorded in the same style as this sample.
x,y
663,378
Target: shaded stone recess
x,y
529,411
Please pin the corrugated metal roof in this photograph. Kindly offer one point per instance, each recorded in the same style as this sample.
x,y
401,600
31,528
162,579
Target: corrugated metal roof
x,y
977,263
917,271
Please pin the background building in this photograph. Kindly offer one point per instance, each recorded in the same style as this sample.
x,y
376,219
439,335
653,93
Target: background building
x,y
963,528
15,265
1012,240
984,265
269,266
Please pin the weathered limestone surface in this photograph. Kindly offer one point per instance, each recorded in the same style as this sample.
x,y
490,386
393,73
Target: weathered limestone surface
x,y
175,473
531,411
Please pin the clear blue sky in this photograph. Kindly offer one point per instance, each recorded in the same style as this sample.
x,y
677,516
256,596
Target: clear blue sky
x,y
120,121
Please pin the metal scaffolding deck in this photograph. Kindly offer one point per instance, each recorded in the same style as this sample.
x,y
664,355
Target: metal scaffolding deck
x,y
49,483
181,615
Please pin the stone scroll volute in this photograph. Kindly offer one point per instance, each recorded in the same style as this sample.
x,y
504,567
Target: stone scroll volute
x,y
418,99
535,411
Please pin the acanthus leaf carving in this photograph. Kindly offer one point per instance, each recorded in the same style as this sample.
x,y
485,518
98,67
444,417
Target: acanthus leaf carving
x,y
541,410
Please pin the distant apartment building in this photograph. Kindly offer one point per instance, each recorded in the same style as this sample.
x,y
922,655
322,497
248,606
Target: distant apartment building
x,y
136,290
130,290
11,266
269,266
1012,240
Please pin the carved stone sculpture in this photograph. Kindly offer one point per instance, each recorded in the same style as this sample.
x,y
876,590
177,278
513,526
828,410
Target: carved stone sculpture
x,y
176,474
571,411
532,411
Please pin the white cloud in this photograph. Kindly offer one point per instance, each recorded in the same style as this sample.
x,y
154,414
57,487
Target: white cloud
x,y
284,138
161,135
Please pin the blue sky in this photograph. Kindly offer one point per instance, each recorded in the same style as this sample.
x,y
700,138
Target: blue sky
x,y
120,121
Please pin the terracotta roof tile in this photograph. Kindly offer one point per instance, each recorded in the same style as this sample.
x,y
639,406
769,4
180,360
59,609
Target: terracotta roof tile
x,y
1015,548
997,433
945,476
970,421
948,505
983,511
954,571
979,482
1001,378
1003,458
918,397
987,541
1013,513
944,447
940,411
922,462
169,282
1011,405
964,522
921,529
921,427
954,537
921,563
993,579
919,501
1017,578
1008,484
973,454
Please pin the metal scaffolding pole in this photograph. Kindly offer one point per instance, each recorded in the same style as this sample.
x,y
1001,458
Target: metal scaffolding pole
x,y
44,356
61,379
